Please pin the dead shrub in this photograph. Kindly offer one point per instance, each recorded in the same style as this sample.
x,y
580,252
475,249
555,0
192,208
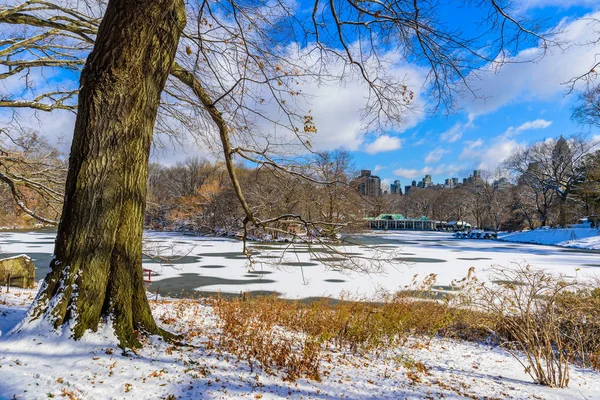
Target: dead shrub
x,y
251,333
290,336
545,321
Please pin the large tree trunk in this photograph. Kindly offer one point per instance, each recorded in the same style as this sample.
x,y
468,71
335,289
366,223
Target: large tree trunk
x,y
96,273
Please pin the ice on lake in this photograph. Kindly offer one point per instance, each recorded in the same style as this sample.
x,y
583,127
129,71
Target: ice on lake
x,y
208,264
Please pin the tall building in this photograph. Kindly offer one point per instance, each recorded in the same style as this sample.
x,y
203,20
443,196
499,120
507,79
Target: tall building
x,y
426,182
396,187
369,185
408,188
450,183
502,184
473,178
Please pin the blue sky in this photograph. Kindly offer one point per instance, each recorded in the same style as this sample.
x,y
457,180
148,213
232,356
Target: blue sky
x,y
525,103
520,104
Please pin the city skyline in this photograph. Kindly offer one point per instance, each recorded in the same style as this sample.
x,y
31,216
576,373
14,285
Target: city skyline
x,y
367,183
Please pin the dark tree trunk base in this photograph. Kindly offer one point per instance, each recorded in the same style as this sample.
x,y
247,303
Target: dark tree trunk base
x,y
97,271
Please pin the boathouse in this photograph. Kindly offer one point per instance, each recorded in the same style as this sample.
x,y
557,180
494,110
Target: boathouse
x,y
398,222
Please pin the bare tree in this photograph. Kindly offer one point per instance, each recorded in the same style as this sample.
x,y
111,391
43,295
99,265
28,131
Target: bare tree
x,y
338,202
587,108
240,68
586,86
33,173
588,190
523,208
552,168
96,271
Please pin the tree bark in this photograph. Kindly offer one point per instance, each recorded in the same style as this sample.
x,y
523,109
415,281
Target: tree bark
x,y
97,270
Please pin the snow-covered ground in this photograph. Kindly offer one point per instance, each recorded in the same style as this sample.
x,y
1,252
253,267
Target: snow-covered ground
x,y
217,264
37,366
576,237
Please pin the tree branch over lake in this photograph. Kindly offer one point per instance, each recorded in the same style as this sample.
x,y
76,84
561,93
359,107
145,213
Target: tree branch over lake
x,y
231,74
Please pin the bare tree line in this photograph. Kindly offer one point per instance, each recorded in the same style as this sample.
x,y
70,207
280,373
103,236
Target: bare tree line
x,y
553,182
198,195
550,182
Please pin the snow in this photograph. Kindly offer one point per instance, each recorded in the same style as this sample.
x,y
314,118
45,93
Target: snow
x,y
217,265
39,364
592,242
576,237
15,257
423,253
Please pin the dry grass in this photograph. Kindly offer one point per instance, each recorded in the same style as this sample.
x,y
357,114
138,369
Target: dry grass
x,y
291,336
544,321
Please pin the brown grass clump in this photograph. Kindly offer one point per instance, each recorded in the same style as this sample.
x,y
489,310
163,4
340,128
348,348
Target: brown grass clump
x,y
546,321
291,336
250,330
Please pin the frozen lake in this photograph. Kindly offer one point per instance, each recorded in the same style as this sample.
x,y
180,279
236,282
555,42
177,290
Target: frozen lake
x,y
218,265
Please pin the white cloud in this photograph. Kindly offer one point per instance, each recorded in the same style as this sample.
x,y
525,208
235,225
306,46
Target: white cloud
x,y
337,105
455,133
435,155
412,173
384,143
529,125
378,168
170,152
337,112
57,126
419,142
524,5
500,149
522,81
385,184
470,146
491,156
535,124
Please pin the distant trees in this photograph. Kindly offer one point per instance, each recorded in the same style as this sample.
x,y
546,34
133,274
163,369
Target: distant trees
x,y
524,210
32,175
588,190
554,181
552,170
337,201
187,194
479,202
198,194
535,193
587,108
